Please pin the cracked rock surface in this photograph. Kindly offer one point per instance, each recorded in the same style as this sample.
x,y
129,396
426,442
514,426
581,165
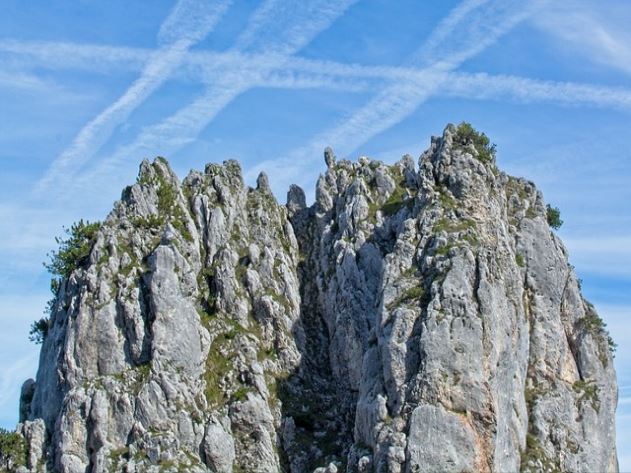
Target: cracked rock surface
x,y
418,317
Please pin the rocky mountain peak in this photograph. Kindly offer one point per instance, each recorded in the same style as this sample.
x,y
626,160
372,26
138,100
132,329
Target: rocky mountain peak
x,y
414,318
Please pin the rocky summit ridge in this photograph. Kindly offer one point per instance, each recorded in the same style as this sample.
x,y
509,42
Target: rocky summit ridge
x,y
415,318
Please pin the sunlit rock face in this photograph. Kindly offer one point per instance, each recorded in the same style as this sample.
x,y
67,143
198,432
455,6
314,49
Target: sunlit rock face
x,y
417,317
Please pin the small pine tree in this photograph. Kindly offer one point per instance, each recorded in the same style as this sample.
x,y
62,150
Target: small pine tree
x,y
39,330
553,215
74,249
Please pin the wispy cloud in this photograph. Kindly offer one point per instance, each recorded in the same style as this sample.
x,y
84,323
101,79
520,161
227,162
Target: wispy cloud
x,y
282,27
268,65
12,377
598,33
189,22
601,255
428,53
18,358
20,80
617,319
477,24
32,227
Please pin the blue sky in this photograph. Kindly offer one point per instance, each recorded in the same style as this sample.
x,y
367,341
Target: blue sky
x,y
88,89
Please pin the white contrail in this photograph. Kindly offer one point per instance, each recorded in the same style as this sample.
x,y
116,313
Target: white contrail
x,y
299,73
410,84
478,24
390,106
66,55
444,30
521,89
189,22
478,86
285,26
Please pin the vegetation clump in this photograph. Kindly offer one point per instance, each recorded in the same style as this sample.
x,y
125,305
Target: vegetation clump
x,y
466,135
12,451
593,324
395,202
168,207
148,223
553,215
39,330
588,392
218,365
446,200
411,294
241,394
74,249
451,226
537,456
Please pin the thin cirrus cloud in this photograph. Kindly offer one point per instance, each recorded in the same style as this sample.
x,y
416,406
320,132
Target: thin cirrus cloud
x,y
602,255
188,22
581,27
393,104
17,359
13,375
479,23
395,99
20,80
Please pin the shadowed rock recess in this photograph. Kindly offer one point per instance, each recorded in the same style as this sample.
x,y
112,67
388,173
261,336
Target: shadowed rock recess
x,y
413,319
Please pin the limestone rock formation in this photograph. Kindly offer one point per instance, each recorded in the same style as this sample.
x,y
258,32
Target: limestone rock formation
x,y
413,319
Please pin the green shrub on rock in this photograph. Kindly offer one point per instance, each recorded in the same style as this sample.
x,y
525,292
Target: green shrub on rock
x,y
12,451
553,215
39,330
74,249
466,135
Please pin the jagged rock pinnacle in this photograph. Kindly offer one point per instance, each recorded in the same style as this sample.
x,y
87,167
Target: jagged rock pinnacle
x,y
296,198
262,181
411,319
329,157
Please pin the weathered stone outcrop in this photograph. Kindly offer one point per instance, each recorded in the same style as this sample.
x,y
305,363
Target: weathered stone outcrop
x,y
412,319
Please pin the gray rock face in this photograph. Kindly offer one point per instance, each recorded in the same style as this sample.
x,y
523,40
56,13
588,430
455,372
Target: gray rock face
x,y
411,320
